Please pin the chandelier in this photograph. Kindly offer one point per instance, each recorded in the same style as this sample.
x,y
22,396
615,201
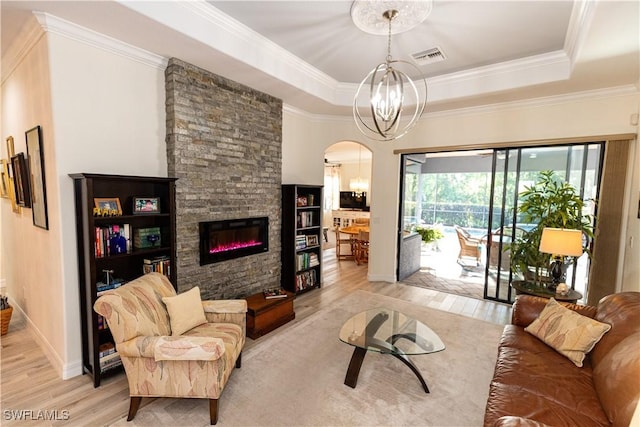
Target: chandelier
x,y
359,185
395,102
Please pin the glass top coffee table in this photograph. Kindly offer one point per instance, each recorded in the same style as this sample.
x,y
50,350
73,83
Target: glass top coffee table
x,y
388,332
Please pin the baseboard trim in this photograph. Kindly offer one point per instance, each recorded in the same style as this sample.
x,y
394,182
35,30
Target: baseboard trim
x,y
64,370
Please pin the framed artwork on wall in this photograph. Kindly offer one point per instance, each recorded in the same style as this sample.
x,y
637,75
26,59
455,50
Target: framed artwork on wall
x,y
21,183
12,194
38,185
4,184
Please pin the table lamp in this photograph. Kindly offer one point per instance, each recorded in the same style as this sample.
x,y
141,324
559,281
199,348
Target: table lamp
x,y
560,242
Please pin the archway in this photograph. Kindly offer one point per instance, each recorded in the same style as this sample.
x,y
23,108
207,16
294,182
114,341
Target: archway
x,y
348,166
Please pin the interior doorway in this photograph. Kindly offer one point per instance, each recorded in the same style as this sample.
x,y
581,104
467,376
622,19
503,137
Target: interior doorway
x,y
470,198
347,170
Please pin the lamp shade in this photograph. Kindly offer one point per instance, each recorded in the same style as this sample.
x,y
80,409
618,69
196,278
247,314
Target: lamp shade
x,y
560,241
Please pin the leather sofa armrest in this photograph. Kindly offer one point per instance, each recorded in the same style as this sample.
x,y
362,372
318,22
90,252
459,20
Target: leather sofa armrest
x,y
527,308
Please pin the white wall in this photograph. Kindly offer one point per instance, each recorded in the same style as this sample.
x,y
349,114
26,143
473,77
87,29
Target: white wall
x,y
100,112
584,115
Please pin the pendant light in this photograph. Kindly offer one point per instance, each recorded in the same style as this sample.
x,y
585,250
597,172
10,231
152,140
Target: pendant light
x,y
395,102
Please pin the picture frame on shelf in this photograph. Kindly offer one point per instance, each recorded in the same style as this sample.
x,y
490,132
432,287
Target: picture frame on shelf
x,y
38,185
111,205
301,201
312,240
146,205
21,183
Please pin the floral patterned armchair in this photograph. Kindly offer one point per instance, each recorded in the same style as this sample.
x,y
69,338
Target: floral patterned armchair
x,y
195,363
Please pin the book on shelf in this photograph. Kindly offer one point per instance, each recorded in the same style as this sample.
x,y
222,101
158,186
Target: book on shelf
x,y
102,323
110,361
273,293
101,287
306,279
306,219
112,239
301,241
306,260
106,349
160,264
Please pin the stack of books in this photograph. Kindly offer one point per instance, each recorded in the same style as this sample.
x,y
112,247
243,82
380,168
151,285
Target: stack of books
x,y
272,293
109,357
161,264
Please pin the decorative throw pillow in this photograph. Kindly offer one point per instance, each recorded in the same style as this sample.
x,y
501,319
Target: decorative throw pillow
x,y
569,333
185,311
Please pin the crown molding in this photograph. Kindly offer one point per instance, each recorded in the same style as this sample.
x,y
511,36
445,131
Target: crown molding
x,y
29,35
201,21
54,25
579,24
627,90
545,101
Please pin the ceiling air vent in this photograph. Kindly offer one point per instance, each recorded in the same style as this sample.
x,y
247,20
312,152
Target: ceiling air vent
x,y
429,56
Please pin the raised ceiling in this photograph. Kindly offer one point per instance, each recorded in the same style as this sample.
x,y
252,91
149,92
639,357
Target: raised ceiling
x,y
311,55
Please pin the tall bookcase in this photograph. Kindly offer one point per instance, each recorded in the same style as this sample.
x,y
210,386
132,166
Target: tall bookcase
x,y
150,246
301,237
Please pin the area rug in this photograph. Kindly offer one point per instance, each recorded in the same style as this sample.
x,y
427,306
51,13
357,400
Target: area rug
x,y
472,286
294,376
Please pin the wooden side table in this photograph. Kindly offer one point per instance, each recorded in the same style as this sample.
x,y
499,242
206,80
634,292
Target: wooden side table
x,y
522,287
265,315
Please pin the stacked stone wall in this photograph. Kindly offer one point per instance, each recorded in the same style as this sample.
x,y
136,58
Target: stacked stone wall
x,y
224,144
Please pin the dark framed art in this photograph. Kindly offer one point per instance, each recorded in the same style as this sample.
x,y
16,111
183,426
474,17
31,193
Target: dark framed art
x,y
38,185
12,192
146,205
21,180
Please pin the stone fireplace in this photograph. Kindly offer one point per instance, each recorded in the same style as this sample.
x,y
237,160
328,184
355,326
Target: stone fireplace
x,y
224,144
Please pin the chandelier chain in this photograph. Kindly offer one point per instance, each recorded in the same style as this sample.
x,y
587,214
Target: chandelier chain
x,y
389,18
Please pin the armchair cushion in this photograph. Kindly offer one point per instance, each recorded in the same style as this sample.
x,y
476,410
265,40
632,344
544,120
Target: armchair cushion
x,y
188,348
569,333
185,311
225,306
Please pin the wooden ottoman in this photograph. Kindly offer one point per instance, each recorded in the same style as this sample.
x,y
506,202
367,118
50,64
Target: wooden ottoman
x,y
265,315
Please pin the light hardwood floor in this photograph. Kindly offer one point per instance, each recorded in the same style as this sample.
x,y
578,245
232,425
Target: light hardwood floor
x,y
29,382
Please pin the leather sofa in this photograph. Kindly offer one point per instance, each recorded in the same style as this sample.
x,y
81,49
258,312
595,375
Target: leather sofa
x,y
534,385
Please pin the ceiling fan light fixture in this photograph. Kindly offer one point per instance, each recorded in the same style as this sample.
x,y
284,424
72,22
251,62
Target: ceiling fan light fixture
x,y
394,102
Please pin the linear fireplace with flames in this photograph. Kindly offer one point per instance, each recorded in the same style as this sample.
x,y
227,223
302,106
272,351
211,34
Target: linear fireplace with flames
x,y
235,238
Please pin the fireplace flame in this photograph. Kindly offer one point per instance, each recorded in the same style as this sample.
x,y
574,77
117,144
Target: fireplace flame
x,y
226,247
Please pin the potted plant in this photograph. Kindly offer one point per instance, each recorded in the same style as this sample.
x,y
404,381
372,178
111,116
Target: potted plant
x,y
5,314
430,235
550,202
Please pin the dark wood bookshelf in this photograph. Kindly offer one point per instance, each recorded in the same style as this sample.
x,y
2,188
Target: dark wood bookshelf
x,y
126,266
301,221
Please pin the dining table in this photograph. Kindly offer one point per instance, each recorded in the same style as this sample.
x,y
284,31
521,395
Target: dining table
x,y
353,231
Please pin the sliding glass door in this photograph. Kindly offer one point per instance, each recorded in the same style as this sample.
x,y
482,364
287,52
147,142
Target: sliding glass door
x,y
473,196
